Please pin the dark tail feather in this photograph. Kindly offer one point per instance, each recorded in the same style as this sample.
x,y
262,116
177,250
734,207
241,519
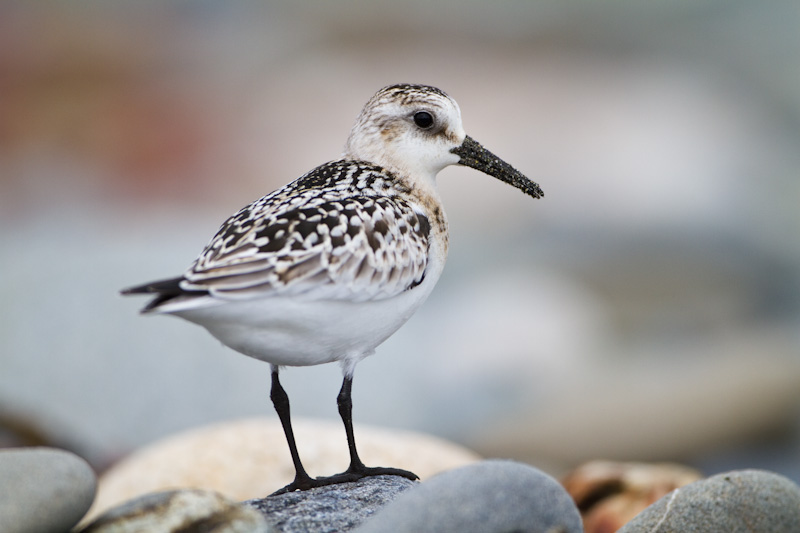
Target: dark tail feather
x,y
164,291
167,286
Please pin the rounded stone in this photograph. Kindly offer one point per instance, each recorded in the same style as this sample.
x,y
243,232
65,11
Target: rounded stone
x,y
486,497
180,510
247,459
43,490
743,501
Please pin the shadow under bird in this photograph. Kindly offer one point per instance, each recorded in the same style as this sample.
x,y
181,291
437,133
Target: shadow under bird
x,y
329,266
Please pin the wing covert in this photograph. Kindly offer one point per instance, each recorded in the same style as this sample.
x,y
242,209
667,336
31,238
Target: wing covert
x,y
355,248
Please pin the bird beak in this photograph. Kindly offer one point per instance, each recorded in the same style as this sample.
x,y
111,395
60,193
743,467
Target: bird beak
x,y
474,155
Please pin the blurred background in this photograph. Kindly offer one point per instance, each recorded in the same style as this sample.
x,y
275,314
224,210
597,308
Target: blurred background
x,y
648,308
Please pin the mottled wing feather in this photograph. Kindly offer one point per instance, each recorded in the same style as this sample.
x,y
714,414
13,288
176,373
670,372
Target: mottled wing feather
x,y
338,241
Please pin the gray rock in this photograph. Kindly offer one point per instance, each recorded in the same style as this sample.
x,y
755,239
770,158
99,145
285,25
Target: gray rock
x,y
187,511
43,489
486,497
335,508
744,501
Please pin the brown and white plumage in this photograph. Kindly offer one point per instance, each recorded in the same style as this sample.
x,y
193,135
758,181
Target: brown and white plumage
x,y
348,230
329,266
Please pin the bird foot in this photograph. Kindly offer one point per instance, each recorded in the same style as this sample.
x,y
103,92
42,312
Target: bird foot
x,y
348,476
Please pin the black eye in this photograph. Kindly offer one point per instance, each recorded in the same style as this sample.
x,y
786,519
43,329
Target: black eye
x,y
423,119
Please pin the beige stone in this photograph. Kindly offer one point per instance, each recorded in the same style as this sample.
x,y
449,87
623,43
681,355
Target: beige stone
x,y
609,494
655,407
249,458
180,511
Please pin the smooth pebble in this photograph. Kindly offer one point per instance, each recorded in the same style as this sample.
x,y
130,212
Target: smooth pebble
x,y
743,501
43,490
486,497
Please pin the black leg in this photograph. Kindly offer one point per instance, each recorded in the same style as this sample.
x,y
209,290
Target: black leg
x,y
280,400
345,403
355,471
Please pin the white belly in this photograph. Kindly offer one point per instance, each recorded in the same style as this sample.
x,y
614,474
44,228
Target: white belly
x,y
297,332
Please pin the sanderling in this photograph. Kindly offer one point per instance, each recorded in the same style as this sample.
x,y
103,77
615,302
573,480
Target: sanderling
x,y
329,266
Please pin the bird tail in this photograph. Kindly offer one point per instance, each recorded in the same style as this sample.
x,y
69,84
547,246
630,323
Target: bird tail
x,y
164,290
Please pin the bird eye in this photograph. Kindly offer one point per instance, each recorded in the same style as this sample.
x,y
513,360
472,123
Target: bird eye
x,y
423,119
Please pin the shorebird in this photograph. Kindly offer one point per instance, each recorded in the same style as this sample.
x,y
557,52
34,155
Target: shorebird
x,y
329,266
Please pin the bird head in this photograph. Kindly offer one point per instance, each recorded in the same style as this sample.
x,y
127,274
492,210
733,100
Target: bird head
x,y
416,130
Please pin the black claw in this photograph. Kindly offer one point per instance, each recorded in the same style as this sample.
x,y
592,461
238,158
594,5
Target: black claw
x,y
299,483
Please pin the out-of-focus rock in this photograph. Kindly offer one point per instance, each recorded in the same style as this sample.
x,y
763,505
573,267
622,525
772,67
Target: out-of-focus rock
x,y
654,408
488,497
249,458
180,511
610,494
43,490
744,501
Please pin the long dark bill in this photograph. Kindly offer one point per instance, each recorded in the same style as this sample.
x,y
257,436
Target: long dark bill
x,y
476,156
